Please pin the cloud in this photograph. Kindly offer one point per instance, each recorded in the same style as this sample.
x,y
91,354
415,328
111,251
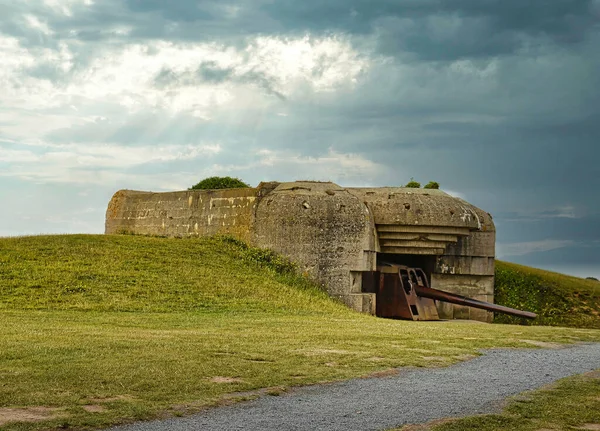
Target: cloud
x,y
268,165
523,248
442,29
72,163
36,24
199,79
535,215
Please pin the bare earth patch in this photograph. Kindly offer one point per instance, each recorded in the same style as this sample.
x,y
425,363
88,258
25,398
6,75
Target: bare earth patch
x,y
221,379
384,373
425,427
94,408
316,352
465,357
543,344
29,414
593,374
592,427
435,358
112,399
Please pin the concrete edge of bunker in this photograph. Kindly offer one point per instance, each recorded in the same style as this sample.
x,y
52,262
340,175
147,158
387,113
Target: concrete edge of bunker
x,y
335,234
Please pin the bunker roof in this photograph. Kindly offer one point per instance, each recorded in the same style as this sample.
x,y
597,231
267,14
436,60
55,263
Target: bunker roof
x,y
428,207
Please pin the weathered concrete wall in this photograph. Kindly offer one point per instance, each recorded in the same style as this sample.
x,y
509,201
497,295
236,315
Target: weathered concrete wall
x,y
467,268
423,207
333,233
431,222
185,213
326,230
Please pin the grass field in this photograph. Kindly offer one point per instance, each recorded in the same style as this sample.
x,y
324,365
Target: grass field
x,y
569,404
100,330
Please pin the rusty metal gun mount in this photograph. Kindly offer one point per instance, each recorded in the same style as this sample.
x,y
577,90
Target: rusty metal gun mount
x,y
404,293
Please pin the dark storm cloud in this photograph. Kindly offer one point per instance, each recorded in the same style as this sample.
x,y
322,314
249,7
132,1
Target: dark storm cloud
x,y
577,229
429,29
555,17
177,11
586,254
443,29
95,23
210,72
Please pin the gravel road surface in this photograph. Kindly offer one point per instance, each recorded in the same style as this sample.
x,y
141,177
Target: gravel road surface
x,y
410,397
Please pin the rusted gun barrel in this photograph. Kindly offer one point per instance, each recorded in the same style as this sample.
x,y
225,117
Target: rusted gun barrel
x,y
440,295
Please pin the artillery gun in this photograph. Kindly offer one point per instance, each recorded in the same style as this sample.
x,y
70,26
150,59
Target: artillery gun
x,y
404,293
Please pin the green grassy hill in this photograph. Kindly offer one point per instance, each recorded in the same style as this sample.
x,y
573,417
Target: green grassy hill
x,y
559,300
136,273
99,330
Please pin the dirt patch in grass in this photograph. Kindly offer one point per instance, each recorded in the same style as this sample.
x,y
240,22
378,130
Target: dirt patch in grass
x,y
29,414
592,427
222,379
465,357
318,352
435,358
94,408
111,399
543,344
424,427
383,373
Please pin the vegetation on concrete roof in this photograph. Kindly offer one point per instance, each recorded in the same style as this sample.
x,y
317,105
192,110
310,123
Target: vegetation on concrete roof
x,y
412,184
215,183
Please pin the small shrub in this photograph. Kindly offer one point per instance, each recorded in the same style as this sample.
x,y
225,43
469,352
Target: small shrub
x,y
214,183
432,185
234,241
263,257
269,259
412,184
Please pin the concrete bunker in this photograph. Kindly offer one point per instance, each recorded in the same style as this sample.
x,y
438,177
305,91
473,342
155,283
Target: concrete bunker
x,y
335,234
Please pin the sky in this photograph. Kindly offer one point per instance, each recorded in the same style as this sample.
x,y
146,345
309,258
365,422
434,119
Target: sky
x,y
497,100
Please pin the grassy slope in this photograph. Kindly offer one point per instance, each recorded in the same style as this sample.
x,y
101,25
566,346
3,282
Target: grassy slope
x,y
129,273
559,300
142,326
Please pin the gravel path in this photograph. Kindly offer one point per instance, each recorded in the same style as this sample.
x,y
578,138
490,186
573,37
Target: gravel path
x,y
413,396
